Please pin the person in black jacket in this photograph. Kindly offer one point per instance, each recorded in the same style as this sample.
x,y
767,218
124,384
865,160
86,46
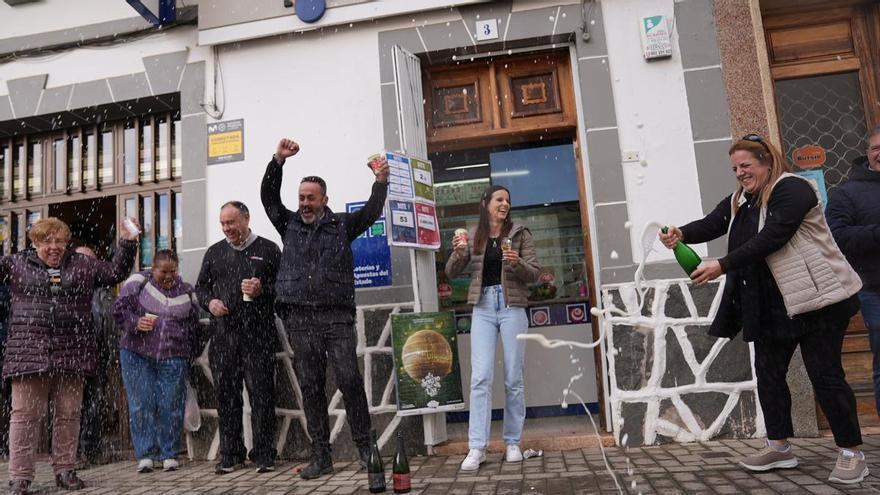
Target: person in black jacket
x,y
752,301
315,293
237,286
854,217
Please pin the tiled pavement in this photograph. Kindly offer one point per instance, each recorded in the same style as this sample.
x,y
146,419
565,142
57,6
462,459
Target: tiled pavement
x,y
679,468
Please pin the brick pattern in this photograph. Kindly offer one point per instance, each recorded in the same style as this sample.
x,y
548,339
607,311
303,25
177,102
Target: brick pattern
x,y
708,467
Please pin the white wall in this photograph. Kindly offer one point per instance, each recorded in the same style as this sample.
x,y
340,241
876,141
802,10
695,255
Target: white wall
x,y
88,64
653,118
319,88
54,15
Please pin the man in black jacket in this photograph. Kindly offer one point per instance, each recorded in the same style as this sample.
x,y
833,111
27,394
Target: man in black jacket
x,y
237,286
315,293
854,217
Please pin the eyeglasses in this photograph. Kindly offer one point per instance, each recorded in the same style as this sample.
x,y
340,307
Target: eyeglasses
x,y
756,138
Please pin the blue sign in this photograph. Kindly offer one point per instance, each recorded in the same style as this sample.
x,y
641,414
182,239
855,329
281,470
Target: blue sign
x,y
157,12
372,256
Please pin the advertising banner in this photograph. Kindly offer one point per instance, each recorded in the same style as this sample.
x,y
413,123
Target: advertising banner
x,y
426,364
412,214
372,255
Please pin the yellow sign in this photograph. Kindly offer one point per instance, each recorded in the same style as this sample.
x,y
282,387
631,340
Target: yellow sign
x,y
226,141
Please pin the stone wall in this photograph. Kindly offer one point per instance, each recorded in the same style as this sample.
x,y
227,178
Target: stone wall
x,y
668,380
373,326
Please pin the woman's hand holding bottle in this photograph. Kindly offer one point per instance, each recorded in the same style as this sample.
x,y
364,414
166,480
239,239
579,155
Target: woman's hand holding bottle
x,y
670,237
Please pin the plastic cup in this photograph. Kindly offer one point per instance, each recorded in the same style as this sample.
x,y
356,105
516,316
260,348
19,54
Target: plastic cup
x,y
130,226
506,244
462,234
246,297
153,318
373,161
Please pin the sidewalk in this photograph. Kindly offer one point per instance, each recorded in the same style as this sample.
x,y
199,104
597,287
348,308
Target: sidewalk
x,y
679,468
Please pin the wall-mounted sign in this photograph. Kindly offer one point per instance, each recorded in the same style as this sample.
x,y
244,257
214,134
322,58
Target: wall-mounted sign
x,y
226,142
655,37
372,255
807,157
310,10
487,29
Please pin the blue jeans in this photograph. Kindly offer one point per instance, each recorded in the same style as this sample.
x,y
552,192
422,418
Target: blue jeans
x,y
156,391
871,313
491,317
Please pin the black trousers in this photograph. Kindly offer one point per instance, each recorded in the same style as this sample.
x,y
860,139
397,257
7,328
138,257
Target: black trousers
x,y
316,337
821,352
241,354
92,417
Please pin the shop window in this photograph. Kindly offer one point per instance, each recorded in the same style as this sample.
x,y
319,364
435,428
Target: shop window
x,y
148,222
544,195
129,153
35,168
145,145
90,155
177,218
5,236
6,171
59,165
163,151
74,162
176,146
106,162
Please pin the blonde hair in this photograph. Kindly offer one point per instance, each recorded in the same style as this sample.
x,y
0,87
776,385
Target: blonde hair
x,y
769,155
43,228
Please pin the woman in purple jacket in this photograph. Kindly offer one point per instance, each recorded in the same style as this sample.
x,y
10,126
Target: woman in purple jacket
x,y
51,344
158,317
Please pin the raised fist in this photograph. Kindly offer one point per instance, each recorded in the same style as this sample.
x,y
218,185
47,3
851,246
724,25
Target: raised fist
x,y
286,149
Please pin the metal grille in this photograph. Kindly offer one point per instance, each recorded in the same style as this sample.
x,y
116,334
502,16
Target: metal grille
x,y
826,111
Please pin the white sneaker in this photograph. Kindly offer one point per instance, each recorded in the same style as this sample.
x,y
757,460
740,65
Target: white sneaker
x,y
513,453
473,460
145,466
170,465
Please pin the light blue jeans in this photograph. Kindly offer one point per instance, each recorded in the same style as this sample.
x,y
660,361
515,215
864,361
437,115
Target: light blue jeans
x,y
492,317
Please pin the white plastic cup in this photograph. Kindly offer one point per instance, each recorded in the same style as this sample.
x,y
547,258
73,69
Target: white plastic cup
x,y
246,297
130,226
462,234
153,318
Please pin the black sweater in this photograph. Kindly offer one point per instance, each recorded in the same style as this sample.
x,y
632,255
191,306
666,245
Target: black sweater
x,y
751,298
223,269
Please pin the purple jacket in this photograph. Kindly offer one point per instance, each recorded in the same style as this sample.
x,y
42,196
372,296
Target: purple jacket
x,y
53,331
177,311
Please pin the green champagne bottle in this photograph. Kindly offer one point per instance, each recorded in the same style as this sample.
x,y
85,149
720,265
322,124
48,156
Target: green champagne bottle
x,y
375,468
685,255
400,480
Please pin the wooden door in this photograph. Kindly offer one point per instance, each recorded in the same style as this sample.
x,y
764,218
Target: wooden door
x,y
824,62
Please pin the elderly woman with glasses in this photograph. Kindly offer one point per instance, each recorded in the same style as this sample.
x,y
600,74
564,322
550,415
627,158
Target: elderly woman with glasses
x,y
787,285
51,345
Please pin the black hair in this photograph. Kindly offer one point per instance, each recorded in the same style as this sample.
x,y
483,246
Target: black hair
x,y
166,254
317,180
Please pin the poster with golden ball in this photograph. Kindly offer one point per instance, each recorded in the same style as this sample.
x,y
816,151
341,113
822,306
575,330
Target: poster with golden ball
x,y
426,363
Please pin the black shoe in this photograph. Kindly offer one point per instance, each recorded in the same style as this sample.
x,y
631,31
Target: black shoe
x,y
69,481
20,487
319,466
265,467
364,456
225,466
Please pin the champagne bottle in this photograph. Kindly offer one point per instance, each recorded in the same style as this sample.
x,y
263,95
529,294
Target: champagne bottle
x,y
401,481
685,255
375,469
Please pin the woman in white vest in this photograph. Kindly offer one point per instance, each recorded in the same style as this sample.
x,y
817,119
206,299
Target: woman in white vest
x,y
787,285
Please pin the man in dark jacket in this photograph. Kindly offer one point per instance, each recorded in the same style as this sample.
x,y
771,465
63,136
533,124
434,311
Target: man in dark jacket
x,y
854,217
315,292
237,286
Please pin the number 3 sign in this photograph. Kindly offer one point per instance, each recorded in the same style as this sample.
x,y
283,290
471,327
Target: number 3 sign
x,y
487,30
